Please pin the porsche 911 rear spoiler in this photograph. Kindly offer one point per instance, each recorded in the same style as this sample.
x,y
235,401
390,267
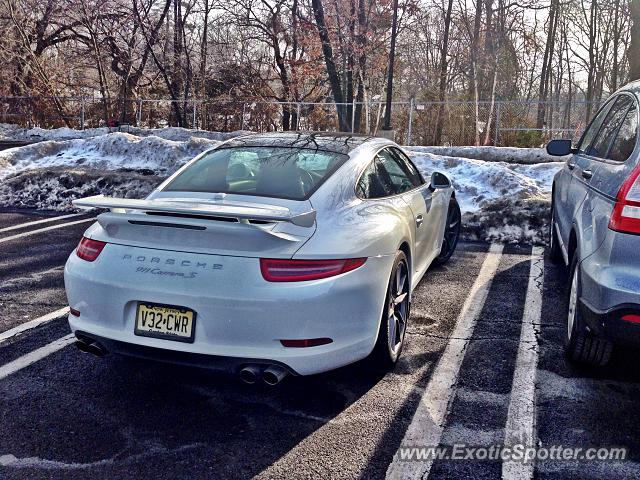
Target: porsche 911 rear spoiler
x,y
237,210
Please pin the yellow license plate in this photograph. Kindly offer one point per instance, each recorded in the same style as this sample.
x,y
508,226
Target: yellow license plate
x,y
165,321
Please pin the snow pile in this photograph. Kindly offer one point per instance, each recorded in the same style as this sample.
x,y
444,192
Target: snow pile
x,y
63,133
49,174
477,182
53,189
8,131
493,154
177,134
105,152
502,202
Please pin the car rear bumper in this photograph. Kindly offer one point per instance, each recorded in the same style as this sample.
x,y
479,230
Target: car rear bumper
x,y
239,314
609,323
212,362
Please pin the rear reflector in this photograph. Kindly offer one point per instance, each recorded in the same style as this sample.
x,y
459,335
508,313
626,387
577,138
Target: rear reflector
x,y
625,217
74,312
89,249
307,342
278,270
631,317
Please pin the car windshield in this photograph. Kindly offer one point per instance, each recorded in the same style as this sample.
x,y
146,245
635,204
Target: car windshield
x,y
281,172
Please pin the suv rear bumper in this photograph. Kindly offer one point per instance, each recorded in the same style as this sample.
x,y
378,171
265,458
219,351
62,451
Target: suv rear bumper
x,y
609,323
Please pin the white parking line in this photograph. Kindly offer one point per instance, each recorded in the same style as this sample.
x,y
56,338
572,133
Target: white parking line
x,y
520,427
46,229
428,422
32,357
6,335
38,222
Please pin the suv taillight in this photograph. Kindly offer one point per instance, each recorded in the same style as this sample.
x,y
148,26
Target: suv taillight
x,y
279,270
89,249
626,211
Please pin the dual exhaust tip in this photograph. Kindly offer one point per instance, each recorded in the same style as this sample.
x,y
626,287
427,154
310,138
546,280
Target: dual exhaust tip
x,y
272,375
93,348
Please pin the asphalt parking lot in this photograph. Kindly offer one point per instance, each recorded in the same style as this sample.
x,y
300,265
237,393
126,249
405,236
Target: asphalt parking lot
x,y
490,319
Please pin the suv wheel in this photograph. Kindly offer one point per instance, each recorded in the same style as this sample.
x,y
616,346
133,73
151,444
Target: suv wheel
x,y
581,346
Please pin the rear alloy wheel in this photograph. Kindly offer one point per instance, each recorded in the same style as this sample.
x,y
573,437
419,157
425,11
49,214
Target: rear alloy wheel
x,y
581,346
395,314
451,233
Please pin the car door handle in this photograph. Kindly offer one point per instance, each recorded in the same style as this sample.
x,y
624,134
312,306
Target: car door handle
x,y
571,165
419,220
587,174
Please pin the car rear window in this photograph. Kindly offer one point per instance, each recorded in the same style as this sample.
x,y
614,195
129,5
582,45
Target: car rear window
x,y
280,172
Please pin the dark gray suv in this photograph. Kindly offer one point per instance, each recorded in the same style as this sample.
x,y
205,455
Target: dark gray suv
x,y
595,229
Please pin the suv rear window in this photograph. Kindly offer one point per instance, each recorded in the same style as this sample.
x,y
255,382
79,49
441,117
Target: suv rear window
x,y
280,172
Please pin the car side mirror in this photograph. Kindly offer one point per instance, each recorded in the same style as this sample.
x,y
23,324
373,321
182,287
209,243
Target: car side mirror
x,y
560,148
439,181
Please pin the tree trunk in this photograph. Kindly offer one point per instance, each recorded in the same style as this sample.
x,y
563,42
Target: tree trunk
x,y
475,87
547,62
327,52
443,73
203,52
616,45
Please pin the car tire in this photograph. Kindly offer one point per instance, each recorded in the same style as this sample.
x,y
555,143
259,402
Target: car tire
x,y
555,253
395,315
451,233
581,346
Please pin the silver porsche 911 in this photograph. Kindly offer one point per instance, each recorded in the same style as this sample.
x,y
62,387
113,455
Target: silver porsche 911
x,y
271,254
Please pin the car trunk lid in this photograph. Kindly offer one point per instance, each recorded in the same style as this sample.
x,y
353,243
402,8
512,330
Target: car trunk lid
x,y
250,226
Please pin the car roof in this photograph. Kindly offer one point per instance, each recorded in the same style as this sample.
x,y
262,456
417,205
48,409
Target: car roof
x,y
632,87
327,141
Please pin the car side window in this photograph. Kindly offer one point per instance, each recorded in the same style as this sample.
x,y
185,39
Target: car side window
x,y
410,168
371,185
592,130
392,173
610,127
625,140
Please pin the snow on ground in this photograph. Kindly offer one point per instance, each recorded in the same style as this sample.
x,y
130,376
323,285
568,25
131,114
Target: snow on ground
x,y
178,134
503,202
477,182
506,202
106,152
493,154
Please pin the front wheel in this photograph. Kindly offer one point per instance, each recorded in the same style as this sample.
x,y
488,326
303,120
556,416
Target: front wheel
x,y
395,314
451,233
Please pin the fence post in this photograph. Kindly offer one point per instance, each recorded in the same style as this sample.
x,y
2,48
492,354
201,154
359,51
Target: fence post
x,y
139,115
195,106
82,114
298,109
410,127
496,132
242,119
353,115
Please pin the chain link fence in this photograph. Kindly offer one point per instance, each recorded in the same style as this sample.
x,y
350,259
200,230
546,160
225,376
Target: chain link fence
x,y
500,123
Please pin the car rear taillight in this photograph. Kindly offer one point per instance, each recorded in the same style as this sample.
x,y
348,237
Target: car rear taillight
x,y
631,317
89,249
626,211
278,270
